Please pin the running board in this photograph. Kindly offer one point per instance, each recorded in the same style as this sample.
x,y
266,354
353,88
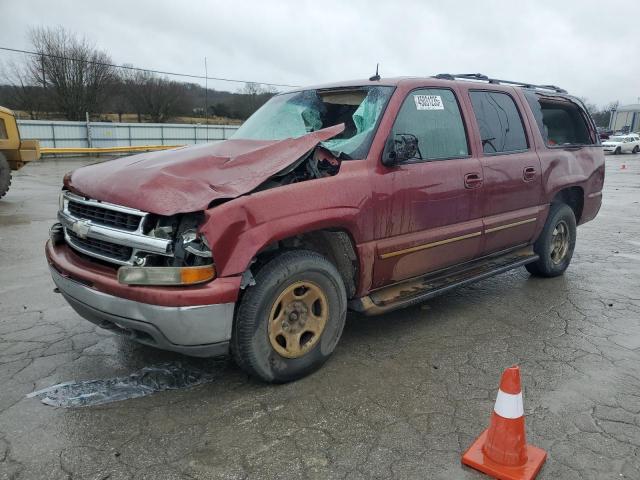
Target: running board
x,y
417,290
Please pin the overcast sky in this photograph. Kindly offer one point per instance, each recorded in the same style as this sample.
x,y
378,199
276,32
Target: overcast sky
x,y
590,48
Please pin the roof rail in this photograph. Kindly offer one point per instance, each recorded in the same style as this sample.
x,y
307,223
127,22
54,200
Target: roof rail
x,y
484,78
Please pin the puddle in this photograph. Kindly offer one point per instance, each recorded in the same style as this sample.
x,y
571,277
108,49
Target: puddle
x,y
148,380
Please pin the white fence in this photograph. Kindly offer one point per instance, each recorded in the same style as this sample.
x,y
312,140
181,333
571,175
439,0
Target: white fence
x,y
104,134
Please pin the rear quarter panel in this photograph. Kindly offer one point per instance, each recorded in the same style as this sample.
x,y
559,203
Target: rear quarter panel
x,y
562,168
583,168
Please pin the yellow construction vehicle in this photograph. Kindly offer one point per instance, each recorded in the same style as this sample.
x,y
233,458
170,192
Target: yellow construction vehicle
x,y
14,153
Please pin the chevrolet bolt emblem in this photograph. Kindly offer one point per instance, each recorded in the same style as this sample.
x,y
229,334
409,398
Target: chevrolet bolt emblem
x,y
81,228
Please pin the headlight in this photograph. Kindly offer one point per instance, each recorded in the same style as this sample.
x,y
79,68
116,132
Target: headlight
x,y
166,275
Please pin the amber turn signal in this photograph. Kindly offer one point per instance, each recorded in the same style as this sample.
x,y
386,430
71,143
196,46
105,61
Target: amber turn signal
x,y
166,275
197,274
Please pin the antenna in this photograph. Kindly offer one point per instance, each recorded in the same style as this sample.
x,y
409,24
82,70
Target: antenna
x,y
376,77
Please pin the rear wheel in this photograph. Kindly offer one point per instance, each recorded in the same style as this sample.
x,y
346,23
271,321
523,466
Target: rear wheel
x,y
636,149
5,175
290,321
556,243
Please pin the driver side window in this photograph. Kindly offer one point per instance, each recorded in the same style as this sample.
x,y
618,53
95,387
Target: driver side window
x,y
433,117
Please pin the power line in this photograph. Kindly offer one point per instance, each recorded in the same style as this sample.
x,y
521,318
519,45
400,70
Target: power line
x,y
160,72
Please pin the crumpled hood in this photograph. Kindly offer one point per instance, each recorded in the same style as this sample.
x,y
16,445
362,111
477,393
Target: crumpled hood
x,y
188,179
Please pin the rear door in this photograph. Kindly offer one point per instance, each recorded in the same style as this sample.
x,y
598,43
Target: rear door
x,y
511,167
429,209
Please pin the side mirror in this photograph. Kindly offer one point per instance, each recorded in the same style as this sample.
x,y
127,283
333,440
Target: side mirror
x,y
400,148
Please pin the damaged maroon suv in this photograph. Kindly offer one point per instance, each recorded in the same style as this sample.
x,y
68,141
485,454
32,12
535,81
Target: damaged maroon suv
x,y
366,195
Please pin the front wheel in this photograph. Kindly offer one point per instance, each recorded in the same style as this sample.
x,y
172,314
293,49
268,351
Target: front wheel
x,y
5,175
636,149
617,151
556,243
290,321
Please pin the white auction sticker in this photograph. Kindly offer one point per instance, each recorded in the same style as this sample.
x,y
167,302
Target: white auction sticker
x,y
428,102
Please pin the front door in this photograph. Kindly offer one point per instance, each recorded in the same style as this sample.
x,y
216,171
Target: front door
x,y
512,171
429,209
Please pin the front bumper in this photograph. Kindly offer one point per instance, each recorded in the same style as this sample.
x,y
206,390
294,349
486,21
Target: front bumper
x,y
199,331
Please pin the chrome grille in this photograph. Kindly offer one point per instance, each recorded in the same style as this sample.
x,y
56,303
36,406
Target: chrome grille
x,y
104,216
109,232
100,248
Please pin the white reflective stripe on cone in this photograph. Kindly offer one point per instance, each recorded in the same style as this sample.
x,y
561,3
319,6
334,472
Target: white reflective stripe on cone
x,y
509,405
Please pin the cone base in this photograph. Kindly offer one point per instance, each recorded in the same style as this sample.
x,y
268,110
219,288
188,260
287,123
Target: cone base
x,y
475,458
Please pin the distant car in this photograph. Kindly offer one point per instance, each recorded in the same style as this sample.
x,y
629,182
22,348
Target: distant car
x,y
622,143
604,133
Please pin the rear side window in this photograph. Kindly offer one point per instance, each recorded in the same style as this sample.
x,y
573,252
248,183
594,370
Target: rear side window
x,y
3,130
499,121
433,116
561,122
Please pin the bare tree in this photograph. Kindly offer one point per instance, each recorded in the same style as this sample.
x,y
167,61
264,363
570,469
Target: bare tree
x,y
154,96
74,69
601,115
23,94
132,87
251,88
252,96
118,100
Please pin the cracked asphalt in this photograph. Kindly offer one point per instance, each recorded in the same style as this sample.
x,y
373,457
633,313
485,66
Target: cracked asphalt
x,y
402,397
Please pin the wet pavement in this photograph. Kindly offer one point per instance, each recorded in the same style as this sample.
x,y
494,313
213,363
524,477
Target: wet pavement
x,y
402,397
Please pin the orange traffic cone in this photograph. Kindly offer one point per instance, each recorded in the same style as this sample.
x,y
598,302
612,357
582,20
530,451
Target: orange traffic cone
x,y
623,166
501,450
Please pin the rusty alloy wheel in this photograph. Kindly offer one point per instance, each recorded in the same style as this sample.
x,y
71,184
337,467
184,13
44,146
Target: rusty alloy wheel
x,y
288,324
297,319
560,242
554,246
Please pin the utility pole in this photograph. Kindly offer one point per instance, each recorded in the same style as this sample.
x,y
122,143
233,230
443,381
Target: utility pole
x,y
44,80
206,99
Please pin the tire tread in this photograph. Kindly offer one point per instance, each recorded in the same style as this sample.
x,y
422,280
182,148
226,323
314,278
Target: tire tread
x,y
275,272
542,267
5,175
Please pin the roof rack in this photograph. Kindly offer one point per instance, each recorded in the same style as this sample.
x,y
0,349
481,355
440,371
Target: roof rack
x,y
484,78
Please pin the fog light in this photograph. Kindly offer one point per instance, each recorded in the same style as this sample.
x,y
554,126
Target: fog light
x,y
166,275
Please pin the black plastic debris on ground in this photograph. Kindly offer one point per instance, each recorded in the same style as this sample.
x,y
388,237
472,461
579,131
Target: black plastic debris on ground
x,y
148,380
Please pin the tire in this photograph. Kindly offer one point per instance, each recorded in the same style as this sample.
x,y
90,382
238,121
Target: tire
x,y
556,243
636,149
5,175
617,151
281,286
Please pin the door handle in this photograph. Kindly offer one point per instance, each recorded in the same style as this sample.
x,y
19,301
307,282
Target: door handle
x,y
472,180
529,173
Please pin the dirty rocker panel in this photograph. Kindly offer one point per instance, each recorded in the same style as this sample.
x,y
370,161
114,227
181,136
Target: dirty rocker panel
x,y
416,290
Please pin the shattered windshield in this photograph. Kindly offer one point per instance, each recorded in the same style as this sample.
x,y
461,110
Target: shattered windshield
x,y
292,115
